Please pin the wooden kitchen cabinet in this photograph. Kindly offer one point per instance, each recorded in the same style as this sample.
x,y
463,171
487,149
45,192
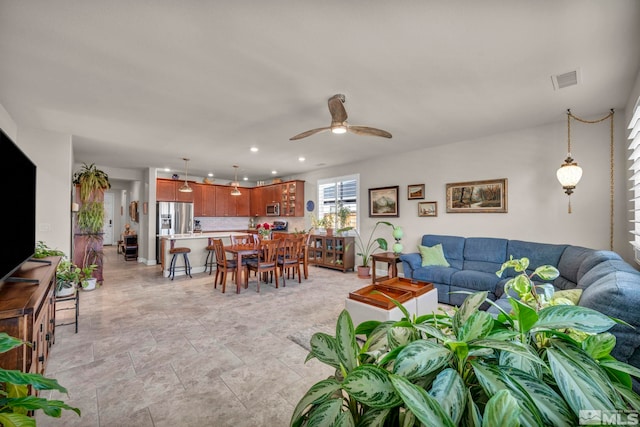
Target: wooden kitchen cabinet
x,y
257,203
292,198
204,200
243,202
223,201
27,312
167,191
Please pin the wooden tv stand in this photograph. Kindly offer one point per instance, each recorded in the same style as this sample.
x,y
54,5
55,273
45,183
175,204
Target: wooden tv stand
x,y
28,312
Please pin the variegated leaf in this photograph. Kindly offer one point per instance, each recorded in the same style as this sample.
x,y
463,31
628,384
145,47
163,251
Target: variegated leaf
x,y
525,315
472,416
620,366
451,393
367,327
346,341
326,414
478,325
378,338
514,360
420,358
629,396
318,393
374,417
549,404
16,420
573,316
423,406
591,367
325,349
502,410
398,336
470,305
7,342
600,345
407,419
431,331
511,346
345,419
579,388
546,272
370,385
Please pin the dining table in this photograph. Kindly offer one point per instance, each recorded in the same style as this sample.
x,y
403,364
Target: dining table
x,y
240,250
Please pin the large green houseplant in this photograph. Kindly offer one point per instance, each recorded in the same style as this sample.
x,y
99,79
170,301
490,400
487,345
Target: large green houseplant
x,y
538,365
15,401
366,248
91,183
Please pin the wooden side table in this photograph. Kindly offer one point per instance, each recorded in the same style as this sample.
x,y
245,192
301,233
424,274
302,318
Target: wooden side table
x,y
391,259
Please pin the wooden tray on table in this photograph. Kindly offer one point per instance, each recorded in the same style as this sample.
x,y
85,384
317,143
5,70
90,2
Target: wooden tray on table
x,y
416,287
366,296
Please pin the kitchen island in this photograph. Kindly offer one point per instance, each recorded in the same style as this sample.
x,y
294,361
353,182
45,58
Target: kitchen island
x,y
197,242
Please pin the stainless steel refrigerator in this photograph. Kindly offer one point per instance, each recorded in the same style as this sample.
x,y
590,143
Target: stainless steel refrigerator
x,y
173,218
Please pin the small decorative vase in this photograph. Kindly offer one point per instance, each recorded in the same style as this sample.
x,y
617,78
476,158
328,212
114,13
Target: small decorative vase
x,y
397,233
397,248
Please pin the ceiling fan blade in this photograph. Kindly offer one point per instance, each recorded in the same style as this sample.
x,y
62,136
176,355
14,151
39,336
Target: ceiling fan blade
x,y
308,133
365,130
336,108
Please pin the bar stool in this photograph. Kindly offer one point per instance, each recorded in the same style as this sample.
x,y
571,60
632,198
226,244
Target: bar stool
x,y
211,256
175,252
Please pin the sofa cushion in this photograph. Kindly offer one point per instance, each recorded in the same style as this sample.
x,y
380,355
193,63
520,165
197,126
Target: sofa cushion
x,y
595,258
538,254
602,269
475,280
484,254
569,264
432,256
616,295
452,246
435,274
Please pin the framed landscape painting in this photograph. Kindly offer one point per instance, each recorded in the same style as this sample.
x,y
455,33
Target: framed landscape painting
x,y
477,196
383,202
415,191
428,209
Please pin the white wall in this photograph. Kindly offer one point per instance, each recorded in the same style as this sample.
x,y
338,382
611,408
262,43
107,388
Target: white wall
x,y
7,124
537,205
52,153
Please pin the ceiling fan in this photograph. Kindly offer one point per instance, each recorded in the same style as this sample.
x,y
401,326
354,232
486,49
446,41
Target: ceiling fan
x,y
339,122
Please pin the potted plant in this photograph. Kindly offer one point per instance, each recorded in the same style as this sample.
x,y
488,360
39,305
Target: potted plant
x,y
342,214
91,183
68,277
366,249
42,250
87,281
327,222
540,364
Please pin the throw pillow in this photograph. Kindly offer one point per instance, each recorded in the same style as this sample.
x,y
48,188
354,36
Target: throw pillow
x,y
572,295
432,256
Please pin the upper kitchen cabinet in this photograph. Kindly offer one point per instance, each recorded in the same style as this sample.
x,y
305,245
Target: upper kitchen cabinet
x,y
204,200
228,205
258,205
292,198
167,191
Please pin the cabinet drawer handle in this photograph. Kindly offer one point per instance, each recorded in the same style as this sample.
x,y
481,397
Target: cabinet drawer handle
x,y
41,359
46,337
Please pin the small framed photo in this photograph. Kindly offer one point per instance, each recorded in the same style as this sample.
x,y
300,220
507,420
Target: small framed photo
x,y
477,196
428,209
383,202
415,191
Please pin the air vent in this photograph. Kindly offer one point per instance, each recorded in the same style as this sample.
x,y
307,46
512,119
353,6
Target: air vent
x,y
560,81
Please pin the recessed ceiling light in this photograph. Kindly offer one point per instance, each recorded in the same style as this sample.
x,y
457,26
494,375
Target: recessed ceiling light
x,y
245,178
167,169
301,159
254,149
210,174
274,172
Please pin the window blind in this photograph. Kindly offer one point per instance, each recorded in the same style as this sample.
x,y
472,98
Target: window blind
x,y
339,192
634,147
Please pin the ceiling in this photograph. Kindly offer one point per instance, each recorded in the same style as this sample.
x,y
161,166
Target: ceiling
x,y
146,83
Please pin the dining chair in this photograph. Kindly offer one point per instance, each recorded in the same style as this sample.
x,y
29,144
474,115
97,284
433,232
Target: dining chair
x,y
224,265
242,239
266,261
289,257
304,254
210,261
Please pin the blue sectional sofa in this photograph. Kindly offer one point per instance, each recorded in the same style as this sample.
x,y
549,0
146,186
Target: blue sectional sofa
x,y
609,284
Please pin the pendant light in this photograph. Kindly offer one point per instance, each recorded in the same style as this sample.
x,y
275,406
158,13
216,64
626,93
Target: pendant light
x,y
185,187
235,183
569,173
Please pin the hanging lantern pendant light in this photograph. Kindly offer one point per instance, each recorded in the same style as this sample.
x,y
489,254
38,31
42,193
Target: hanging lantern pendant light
x,y
569,173
185,187
235,183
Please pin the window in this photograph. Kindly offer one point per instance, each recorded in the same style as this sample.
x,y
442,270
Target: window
x,y
634,136
338,196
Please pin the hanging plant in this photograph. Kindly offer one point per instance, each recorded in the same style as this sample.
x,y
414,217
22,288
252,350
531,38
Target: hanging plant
x,y
91,180
91,217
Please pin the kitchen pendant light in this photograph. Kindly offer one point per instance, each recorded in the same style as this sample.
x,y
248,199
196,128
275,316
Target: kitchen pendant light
x,y
235,183
185,187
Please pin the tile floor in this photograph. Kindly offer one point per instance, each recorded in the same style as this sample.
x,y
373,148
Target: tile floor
x,y
156,352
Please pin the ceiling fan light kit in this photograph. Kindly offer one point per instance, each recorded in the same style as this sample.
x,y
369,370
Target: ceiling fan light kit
x,y
339,123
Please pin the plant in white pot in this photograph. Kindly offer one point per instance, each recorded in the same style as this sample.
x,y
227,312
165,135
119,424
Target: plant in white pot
x,y
366,248
68,277
88,282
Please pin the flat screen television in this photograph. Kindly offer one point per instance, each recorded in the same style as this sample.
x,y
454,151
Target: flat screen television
x,y
19,205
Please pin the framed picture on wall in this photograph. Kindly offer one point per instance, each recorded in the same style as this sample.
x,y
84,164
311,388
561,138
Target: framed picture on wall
x,y
415,191
383,202
428,209
477,196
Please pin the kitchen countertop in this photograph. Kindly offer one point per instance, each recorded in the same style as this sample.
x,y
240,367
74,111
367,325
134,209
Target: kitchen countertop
x,y
204,235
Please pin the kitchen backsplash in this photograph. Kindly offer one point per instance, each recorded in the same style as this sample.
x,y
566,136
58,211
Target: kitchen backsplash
x,y
242,223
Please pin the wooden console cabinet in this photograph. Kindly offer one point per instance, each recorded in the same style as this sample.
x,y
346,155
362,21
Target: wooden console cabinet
x,y
336,252
28,312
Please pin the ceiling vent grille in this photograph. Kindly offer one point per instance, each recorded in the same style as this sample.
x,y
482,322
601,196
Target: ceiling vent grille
x,y
560,81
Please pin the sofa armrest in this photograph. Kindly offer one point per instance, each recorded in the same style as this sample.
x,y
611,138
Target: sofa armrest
x,y
410,262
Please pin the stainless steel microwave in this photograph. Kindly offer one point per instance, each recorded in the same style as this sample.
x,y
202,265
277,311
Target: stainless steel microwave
x,y
273,209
